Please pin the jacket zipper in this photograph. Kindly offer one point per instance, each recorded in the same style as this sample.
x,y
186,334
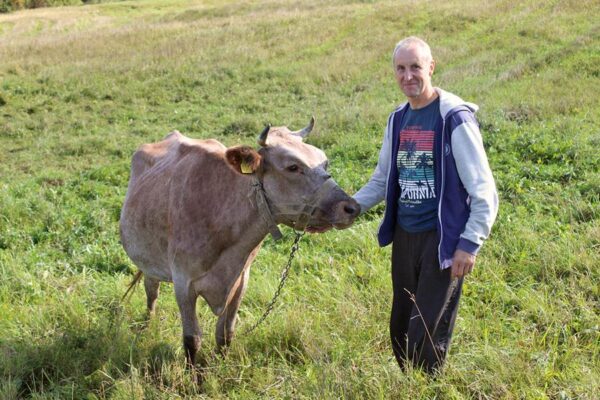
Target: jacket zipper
x,y
442,184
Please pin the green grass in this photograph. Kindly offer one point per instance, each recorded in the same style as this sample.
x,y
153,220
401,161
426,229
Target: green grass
x,y
82,87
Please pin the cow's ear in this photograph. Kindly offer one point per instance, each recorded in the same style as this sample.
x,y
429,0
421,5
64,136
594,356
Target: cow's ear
x,y
244,159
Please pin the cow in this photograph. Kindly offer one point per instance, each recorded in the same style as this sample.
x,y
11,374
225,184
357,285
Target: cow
x,y
196,213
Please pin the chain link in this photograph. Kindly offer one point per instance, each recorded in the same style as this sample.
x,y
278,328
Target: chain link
x,y
284,275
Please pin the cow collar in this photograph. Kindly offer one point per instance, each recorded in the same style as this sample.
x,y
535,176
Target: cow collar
x,y
258,192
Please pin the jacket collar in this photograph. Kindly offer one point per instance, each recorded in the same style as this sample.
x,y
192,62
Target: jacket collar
x,y
448,101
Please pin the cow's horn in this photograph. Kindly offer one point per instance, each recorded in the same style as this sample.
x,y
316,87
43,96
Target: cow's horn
x,y
304,132
262,138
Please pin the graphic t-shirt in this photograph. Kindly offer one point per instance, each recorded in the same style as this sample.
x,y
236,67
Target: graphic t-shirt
x,y
417,204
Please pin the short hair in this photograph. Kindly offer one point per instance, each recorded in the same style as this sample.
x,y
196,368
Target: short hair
x,y
410,42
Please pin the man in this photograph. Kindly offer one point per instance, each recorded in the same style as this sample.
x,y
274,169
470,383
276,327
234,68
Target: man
x,y
441,202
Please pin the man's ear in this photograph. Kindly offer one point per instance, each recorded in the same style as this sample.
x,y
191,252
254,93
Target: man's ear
x,y
431,67
243,159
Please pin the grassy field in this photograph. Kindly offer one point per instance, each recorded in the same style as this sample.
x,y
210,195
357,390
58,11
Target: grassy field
x,y
82,87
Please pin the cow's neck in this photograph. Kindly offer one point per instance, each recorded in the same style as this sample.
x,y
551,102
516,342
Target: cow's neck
x,y
260,200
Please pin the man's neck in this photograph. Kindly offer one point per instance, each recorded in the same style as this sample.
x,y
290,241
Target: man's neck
x,y
423,100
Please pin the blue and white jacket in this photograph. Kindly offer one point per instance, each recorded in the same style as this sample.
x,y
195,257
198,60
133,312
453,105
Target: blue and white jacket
x,y
464,185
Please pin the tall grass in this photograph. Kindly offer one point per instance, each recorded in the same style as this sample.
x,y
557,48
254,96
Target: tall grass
x,y
82,87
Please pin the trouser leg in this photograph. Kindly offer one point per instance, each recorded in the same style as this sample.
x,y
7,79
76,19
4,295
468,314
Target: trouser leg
x,y
427,342
420,290
404,282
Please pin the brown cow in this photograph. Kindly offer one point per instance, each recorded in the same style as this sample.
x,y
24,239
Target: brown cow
x,y
197,212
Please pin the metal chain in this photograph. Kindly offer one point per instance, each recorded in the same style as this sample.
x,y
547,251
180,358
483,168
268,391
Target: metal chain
x,y
284,276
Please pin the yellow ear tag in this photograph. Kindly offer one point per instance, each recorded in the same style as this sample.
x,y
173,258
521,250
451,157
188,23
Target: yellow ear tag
x,y
246,168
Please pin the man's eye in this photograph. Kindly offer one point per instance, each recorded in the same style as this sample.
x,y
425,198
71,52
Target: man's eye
x,y
292,168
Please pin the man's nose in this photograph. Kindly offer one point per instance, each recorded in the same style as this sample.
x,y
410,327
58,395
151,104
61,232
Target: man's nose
x,y
408,75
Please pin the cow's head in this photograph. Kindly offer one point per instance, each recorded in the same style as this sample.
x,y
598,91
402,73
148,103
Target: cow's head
x,y
294,176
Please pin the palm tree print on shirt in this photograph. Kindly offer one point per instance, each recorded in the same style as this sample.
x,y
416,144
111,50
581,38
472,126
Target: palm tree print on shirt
x,y
415,166
426,164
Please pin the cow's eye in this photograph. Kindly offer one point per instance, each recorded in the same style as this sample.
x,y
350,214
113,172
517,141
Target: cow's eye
x,y
292,168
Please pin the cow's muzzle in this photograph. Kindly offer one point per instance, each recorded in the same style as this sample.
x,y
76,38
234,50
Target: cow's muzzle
x,y
300,214
311,204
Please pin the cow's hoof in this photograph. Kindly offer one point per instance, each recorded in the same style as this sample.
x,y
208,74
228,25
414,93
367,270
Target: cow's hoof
x,y
191,344
222,350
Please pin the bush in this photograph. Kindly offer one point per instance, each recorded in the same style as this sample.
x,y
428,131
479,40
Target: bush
x,y
13,5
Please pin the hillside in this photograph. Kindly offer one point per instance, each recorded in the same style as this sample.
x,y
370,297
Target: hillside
x,y
82,87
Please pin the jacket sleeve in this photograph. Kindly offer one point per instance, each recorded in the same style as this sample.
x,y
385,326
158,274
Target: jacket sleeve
x,y
373,192
476,176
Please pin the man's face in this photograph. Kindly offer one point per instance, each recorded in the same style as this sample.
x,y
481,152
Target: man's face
x,y
413,71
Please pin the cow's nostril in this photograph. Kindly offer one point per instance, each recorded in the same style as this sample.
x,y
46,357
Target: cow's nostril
x,y
350,209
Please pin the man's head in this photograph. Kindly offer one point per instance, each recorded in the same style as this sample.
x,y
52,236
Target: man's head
x,y
413,66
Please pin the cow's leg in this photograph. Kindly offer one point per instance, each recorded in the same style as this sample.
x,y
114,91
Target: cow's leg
x,y
227,320
152,287
186,300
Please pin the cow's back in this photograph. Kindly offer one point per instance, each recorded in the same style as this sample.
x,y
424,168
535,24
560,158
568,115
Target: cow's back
x,y
144,223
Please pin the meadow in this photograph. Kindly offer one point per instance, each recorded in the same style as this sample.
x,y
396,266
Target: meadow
x,y
82,87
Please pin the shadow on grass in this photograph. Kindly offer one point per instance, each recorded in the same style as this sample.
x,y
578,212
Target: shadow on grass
x,y
85,354
74,355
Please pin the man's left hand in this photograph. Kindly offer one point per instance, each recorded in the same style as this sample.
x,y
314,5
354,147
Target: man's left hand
x,y
462,263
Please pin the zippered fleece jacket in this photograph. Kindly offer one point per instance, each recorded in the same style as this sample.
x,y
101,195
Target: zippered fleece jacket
x,y
464,185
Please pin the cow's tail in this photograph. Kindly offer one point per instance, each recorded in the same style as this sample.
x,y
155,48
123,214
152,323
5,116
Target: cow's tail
x,y
136,279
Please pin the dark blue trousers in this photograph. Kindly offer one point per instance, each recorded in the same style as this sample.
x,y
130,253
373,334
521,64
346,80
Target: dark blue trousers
x,y
420,291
